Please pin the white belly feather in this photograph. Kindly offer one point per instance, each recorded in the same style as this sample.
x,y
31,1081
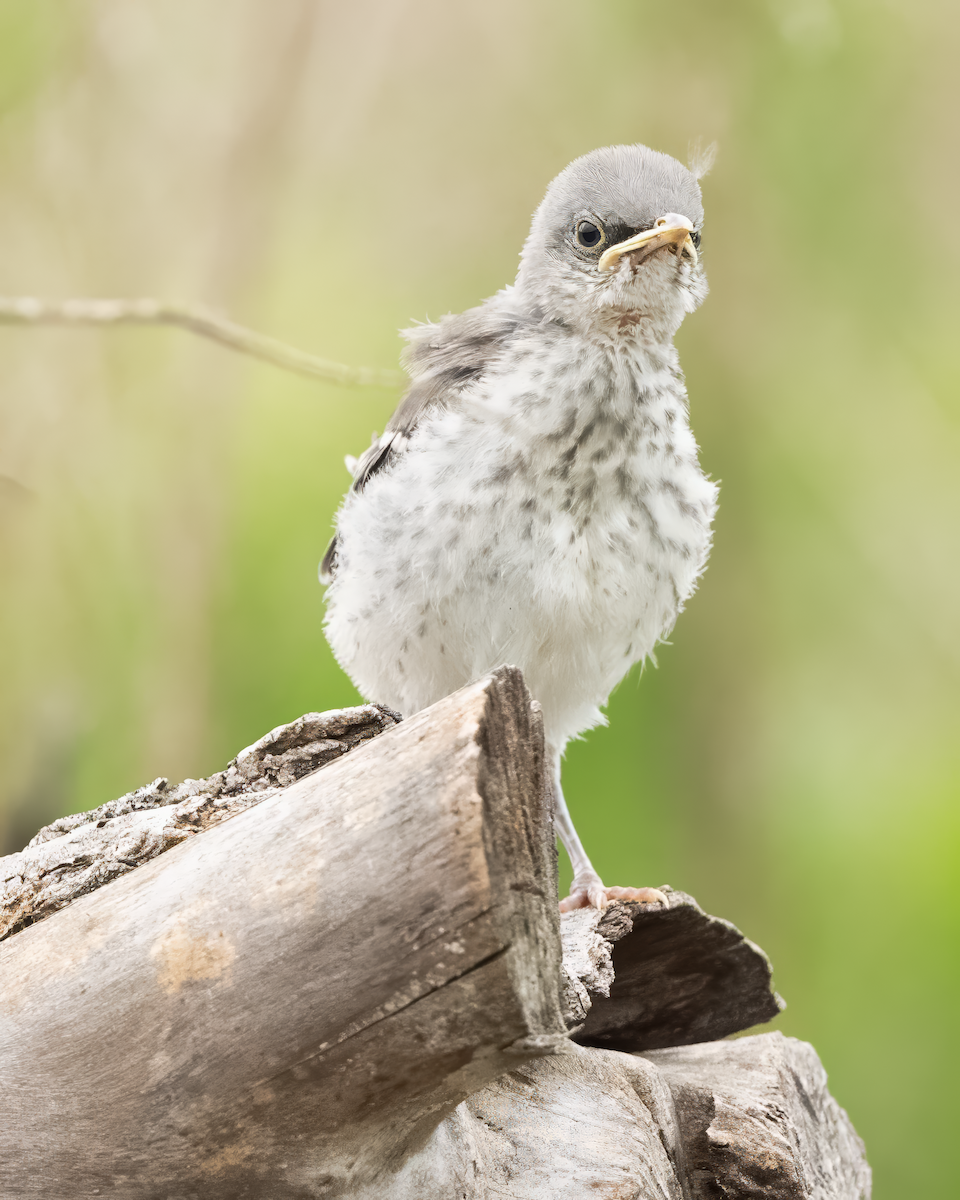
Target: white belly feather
x,y
557,520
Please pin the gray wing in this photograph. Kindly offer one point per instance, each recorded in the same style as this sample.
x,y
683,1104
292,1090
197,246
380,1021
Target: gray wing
x,y
444,359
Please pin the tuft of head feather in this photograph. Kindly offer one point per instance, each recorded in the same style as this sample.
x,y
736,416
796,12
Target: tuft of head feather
x,y
701,159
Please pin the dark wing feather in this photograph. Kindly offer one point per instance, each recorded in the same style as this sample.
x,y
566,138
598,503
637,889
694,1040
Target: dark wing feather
x,y
443,359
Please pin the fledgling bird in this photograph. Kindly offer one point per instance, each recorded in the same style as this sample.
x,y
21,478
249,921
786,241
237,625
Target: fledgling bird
x,y
536,499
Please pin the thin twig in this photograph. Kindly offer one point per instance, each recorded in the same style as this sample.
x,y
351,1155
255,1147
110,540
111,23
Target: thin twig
x,y
25,310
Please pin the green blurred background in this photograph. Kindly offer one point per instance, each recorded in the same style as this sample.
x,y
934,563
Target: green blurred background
x,y
329,173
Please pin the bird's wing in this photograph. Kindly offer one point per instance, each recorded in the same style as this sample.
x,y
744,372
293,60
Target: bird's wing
x,y
424,394
443,360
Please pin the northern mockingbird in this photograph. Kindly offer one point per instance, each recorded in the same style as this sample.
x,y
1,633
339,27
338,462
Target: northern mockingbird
x,y
536,498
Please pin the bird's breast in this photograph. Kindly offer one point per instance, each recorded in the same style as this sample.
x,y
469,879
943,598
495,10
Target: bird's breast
x,y
597,450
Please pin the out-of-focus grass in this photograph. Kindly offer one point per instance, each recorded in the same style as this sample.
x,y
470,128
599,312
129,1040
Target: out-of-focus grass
x,y
793,759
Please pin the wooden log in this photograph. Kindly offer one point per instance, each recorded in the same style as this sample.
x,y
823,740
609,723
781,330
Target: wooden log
x,y
668,977
750,1118
285,1004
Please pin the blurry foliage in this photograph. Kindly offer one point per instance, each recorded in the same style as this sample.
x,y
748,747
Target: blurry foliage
x,y
328,173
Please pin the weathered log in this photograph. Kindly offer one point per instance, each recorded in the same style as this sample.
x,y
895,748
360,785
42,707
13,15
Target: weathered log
x,y
749,1118
676,976
277,1006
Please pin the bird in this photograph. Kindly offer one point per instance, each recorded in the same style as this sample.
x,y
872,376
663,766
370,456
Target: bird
x,y
537,498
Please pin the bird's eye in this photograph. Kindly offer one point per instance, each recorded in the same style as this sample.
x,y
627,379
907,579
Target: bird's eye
x,y
695,238
589,235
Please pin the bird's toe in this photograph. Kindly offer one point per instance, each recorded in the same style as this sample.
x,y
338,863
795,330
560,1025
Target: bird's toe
x,y
592,894
642,895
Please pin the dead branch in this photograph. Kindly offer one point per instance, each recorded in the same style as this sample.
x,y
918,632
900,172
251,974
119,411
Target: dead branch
x,y
27,310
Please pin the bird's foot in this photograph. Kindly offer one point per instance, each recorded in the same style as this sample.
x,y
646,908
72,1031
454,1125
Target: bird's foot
x,y
587,891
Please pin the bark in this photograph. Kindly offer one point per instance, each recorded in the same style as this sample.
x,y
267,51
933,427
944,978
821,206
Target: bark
x,y
80,853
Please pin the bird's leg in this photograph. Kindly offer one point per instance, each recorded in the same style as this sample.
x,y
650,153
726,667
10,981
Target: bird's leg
x,y
586,888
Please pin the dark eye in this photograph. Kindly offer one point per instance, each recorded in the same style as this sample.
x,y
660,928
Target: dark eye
x,y
589,235
695,238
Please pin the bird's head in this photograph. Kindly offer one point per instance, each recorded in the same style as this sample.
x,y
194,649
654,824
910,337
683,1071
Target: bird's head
x,y
616,240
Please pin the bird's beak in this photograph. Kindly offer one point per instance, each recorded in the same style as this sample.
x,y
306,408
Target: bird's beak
x,y
670,230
